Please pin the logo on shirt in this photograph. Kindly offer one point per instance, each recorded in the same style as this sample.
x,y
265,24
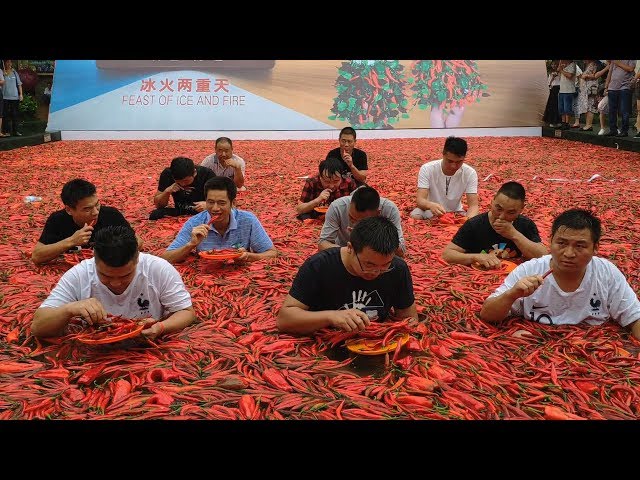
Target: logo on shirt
x,y
500,250
595,304
367,302
143,304
542,318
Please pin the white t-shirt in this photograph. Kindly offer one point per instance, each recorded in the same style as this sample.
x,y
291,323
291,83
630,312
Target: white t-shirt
x,y
603,294
465,180
155,291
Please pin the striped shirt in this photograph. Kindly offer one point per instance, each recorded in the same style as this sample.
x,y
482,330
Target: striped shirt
x,y
245,230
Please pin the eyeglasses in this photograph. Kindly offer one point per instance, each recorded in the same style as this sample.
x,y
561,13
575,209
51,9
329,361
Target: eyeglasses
x,y
372,270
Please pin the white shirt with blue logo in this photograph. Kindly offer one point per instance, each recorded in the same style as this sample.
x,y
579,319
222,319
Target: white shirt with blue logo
x,y
603,294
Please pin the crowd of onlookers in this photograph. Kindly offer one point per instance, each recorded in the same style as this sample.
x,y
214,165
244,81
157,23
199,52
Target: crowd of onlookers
x,y
590,87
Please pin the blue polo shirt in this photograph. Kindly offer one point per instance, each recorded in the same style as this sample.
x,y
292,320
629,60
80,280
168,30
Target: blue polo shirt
x,y
245,230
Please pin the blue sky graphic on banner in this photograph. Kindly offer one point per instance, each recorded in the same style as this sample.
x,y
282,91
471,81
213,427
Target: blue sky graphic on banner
x,y
89,98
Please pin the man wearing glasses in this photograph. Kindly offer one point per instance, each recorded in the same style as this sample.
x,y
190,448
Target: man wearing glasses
x,y
348,287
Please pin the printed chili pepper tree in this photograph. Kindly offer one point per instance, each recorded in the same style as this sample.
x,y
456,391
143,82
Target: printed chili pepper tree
x,y
370,94
446,86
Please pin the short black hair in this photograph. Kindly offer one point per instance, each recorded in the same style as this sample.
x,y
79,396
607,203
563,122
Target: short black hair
x,y
182,167
224,140
455,145
75,190
513,190
578,219
366,198
331,165
377,233
221,183
348,131
115,245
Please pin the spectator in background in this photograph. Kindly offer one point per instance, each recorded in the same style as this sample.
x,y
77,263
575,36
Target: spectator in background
x,y
551,115
567,72
587,93
602,99
225,163
619,83
12,93
185,183
2,134
47,94
324,188
442,183
637,78
353,160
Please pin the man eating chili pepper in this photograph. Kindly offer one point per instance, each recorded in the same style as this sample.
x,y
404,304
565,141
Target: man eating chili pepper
x,y
581,287
121,281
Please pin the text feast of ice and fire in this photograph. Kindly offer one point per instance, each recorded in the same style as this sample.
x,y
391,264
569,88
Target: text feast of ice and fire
x,y
184,92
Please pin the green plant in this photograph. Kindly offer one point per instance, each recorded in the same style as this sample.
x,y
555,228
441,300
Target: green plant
x,y
28,106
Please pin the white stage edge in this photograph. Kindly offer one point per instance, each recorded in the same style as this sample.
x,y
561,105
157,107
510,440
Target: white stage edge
x,y
299,134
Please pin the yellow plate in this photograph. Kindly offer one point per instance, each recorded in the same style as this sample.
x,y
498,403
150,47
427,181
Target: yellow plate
x,y
367,346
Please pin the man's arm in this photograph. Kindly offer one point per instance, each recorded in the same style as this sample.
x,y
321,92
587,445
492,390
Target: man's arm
x,y
304,207
173,323
294,317
44,253
635,329
330,229
180,252
253,256
50,321
425,204
403,313
473,204
238,174
529,248
359,175
456,255
497,308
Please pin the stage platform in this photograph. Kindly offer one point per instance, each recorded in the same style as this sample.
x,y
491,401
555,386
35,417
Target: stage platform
x,y
9,143
628,143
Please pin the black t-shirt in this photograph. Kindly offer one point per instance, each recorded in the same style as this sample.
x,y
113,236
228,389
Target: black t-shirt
x,y
184,199
359,160
323,283
60,224
477,234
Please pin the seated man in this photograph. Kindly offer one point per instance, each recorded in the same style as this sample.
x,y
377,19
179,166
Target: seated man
x,y
502,232
77,223
441,183
185,183
118,281
353,160
324,188
225,163
350,286
582,287
222,226
345,212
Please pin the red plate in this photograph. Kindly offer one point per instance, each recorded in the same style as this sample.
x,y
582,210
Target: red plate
x,y
505,267
219,255
117,338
